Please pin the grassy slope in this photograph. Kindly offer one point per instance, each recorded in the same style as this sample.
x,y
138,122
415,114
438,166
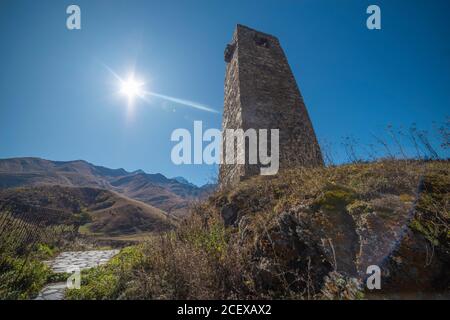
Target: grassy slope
x,y
306,233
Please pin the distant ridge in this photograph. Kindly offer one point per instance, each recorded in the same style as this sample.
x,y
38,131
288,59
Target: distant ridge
x,y
183,180
170,195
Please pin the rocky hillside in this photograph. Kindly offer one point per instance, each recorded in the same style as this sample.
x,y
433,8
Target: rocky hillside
x,y
306,233
323,223
170,195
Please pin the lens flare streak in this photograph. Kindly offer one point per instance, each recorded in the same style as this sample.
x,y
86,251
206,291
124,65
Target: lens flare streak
x,y
132,88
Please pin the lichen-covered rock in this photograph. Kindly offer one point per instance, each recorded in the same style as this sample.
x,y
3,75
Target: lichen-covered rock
x,y
400,224
341,287
414,269
287,255
380,230
420,265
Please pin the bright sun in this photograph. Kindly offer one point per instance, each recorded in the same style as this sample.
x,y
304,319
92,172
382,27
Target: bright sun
x,y
132,88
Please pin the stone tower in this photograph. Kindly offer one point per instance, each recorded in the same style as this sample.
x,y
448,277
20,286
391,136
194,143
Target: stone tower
x,y
261,93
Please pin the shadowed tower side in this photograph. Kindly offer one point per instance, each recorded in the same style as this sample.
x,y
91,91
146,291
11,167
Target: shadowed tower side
x,y
261,93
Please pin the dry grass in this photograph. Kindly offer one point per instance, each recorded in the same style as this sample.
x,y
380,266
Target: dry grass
x,y
253,255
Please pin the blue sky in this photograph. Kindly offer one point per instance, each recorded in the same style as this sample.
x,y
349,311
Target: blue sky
x,y
58,101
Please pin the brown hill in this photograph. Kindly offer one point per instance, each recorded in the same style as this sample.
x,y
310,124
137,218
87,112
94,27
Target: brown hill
x,y
169,195
101,212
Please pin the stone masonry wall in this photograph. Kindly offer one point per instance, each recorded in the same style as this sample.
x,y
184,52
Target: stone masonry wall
x,y
261,93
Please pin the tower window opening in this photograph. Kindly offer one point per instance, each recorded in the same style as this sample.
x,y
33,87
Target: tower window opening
x,y
261,41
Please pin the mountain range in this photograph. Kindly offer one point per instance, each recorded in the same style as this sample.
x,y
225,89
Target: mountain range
x,y
118,200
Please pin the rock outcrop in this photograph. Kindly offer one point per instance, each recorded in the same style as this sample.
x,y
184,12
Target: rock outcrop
x,y
340,229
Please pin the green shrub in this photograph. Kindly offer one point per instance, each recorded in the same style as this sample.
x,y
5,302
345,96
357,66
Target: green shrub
x,y
107,281
44,251
21,278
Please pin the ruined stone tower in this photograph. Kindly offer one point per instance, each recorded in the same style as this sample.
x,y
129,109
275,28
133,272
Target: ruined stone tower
x,y
261,93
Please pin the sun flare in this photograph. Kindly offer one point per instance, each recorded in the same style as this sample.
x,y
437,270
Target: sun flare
x,y
132,88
